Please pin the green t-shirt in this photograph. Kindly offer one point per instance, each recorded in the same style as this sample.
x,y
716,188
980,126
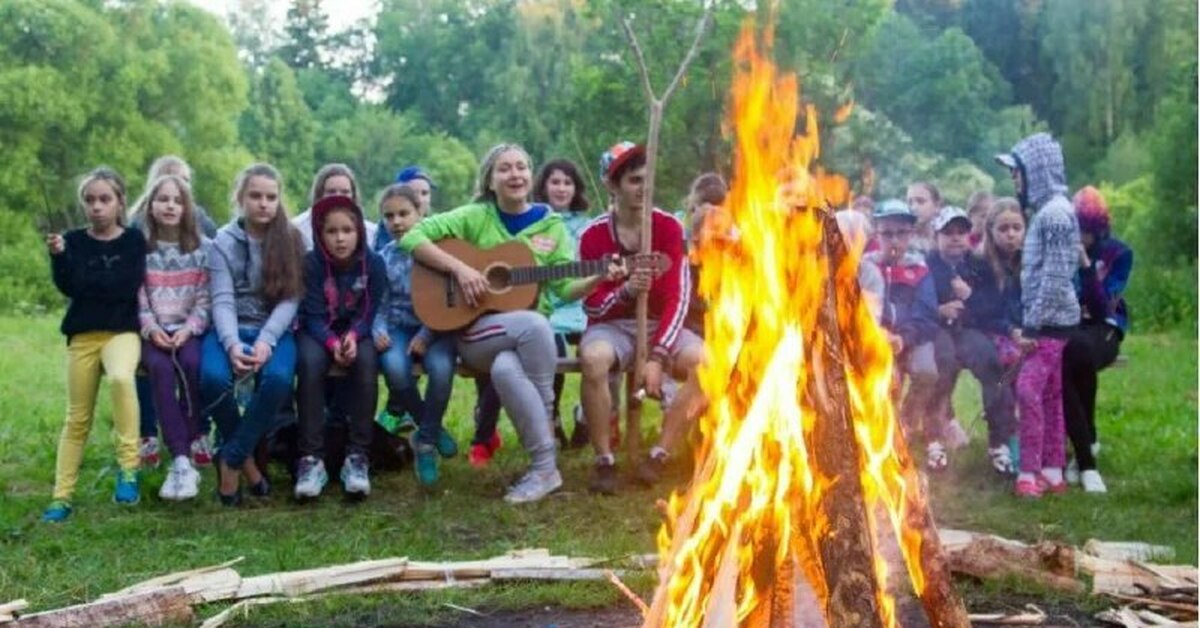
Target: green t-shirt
x,y
480,224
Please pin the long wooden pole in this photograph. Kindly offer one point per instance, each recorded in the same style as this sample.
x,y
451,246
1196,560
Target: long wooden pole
x,y
655,104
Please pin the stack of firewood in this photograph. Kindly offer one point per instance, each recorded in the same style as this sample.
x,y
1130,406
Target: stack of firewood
x,y
173,598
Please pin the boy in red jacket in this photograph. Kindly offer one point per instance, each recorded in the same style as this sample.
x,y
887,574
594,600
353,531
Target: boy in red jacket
x,y
610,338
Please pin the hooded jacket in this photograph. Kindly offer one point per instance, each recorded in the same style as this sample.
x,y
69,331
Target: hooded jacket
x,y
236,284
909,298
340,297
1050,258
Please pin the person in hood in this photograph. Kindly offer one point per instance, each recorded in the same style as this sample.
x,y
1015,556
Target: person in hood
x,y
330,180
255,281
1106,264
1050,261
344,283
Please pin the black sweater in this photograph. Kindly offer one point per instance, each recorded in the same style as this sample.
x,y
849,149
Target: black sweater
x,y
101,279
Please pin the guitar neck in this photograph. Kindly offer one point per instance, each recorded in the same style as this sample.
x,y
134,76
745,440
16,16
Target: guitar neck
x,y
538,274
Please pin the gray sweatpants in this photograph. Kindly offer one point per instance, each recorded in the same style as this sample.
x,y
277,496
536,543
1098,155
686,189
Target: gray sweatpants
x,y
517,348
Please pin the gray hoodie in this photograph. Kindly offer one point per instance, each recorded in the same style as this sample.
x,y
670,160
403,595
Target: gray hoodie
x,y
1050,257
235,282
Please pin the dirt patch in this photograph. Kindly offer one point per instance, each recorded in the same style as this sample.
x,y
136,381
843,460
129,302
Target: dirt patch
x,y
548,617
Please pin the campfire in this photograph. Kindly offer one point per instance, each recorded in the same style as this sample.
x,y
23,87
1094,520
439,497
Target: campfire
x,y
802,466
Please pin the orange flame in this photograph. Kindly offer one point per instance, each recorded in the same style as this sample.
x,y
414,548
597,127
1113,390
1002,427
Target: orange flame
x,y
755,499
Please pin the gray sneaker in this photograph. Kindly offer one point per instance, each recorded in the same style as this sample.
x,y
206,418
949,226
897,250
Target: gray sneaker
x,y
533,486
355,478
310,477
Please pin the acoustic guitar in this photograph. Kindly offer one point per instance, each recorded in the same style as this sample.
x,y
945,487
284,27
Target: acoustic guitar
x,y
513,277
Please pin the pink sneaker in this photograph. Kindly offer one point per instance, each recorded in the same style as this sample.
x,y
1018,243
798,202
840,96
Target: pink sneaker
x,y
1047,486
1028,488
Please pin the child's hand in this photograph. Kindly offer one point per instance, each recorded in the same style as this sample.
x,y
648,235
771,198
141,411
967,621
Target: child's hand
x,y
417,346
951,310
262,353
180,337
348,348
240,362
897,343
55,243
383,342
961,289
161,340
1084,260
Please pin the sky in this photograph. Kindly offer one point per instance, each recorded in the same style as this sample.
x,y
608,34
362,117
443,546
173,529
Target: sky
x,y
342,13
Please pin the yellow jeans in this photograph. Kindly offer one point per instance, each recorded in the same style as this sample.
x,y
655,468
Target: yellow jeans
x,y
117,354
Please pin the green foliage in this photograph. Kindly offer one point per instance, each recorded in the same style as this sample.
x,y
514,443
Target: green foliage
x,y
25,284
279,128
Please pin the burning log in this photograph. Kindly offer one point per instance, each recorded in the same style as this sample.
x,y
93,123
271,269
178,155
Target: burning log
x,y
847,549
942,605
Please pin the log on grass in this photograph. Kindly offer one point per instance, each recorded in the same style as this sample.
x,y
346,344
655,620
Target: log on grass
x,y
9,610
1048,564
553,574
152,608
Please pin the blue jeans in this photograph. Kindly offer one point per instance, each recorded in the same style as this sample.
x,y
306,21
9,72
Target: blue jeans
x,y
438,361
240,434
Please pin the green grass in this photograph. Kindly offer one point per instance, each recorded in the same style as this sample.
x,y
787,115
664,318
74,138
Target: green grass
x,y
1147,426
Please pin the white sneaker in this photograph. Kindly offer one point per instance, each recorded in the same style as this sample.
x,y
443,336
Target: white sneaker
x,y
1092,482
356,480
189,481
533,486
310,477
170,487
1072,473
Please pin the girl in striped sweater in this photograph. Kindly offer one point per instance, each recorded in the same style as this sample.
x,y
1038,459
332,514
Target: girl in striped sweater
x,y
173,306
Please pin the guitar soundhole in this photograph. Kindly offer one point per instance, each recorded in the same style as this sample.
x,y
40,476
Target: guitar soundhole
x,y
499,278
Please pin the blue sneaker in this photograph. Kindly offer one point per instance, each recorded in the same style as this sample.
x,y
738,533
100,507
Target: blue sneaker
x,y
57,512
127,491
426,465
446,445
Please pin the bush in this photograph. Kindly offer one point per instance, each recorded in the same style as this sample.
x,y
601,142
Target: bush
x,y
1161,297
25,283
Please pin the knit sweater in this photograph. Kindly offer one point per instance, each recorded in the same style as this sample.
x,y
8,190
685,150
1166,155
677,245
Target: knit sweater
x,y
175,292
101,278
669,292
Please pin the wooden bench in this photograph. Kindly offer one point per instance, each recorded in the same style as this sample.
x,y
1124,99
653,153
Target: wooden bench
x,y
633,403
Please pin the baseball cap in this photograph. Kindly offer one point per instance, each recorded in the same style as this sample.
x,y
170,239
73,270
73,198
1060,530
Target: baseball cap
x,y
947,215
893,208
1008,160
616,156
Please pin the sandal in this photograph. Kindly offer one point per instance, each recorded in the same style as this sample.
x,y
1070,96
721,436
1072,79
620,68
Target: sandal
x,y
1001,460
935,457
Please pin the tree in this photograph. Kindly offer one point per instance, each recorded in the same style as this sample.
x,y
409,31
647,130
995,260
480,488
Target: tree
x,y
941,91
278,127
306,34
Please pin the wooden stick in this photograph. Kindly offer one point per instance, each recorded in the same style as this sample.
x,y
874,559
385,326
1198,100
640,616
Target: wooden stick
x,y
1190,608
655,104
633,597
